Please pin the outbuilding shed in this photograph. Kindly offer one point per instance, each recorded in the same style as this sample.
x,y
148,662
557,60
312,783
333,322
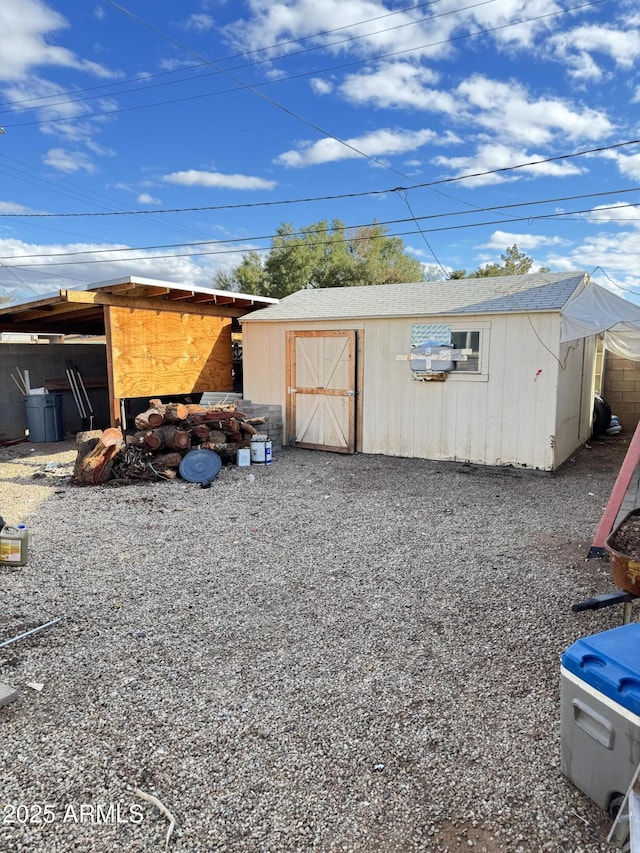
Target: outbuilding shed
x,y
161,338
495,371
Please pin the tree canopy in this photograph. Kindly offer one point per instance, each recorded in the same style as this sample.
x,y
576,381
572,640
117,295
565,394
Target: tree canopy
x,y
514,262
323,255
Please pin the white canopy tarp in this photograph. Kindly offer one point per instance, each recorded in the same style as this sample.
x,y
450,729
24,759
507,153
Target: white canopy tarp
x,y
592,310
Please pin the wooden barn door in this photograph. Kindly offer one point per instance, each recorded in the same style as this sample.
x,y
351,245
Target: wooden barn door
x,y
321,385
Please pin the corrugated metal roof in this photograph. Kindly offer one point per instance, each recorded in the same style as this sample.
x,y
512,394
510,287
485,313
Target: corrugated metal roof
x,y
497,295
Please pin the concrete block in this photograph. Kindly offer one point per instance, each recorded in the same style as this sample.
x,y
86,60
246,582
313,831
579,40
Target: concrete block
x,y
7,694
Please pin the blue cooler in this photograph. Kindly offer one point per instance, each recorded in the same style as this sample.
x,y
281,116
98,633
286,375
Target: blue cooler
x,y
600,713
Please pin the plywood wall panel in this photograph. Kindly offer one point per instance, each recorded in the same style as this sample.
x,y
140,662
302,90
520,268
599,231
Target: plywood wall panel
x,y
155,353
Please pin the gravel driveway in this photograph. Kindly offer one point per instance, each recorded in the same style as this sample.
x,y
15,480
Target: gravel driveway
x,y
330,653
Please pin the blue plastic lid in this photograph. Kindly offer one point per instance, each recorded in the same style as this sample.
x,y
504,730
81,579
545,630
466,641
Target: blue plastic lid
x,y
610,663
200,466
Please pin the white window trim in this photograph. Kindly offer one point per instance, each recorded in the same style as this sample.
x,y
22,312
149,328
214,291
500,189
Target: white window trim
x,y
484,327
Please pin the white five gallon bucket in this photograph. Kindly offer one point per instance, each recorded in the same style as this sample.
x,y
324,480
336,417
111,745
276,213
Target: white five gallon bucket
x,y
261,449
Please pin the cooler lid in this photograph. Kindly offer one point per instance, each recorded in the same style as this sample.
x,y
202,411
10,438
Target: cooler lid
x,y
610,663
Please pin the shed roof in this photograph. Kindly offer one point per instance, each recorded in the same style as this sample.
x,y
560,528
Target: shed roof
x,y
496,295
81,310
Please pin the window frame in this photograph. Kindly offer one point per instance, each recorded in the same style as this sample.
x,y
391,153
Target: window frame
x,y
482,373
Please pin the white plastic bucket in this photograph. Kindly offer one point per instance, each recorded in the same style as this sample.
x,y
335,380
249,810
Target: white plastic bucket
x,y
243,457
260,449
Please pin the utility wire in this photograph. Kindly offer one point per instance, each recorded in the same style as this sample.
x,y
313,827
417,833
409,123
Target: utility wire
x,y
561,216
255,87
273,46
261,95
268,59
364,193
385,222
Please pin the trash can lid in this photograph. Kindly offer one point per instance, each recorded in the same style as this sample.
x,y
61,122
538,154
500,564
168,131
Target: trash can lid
x,y
610,663
200,466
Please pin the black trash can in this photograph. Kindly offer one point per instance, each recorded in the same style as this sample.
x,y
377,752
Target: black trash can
x,y
44,417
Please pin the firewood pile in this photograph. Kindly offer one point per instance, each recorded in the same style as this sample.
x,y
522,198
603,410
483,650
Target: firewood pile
x,y
165,433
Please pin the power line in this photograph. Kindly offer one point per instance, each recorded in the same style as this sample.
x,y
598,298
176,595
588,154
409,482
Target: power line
x,y
224,59
255,87
327,134
364,193
561,216
248,53
426,217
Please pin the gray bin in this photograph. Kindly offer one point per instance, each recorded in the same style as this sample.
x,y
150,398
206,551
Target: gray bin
x,y
44,417
600,741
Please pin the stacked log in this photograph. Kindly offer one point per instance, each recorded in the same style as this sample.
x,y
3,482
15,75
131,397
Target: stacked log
x,y
96,455
165,432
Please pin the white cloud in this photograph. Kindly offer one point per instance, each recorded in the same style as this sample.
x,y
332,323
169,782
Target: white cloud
x,y
50,100
197,178
616,253
489,157
508,108
25,25
628,165
396,85
68,161
321,87
11,207
526,242
200,23
99,13
376,144
199,271
145,198
365,27
575,47
619,213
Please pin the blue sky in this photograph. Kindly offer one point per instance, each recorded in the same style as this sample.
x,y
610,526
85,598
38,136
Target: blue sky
x,y
331,106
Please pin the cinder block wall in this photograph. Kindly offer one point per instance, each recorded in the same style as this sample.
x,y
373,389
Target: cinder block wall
x,y
49,361
622,389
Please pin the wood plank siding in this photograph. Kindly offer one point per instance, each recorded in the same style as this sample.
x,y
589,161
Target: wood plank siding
x,y
530,406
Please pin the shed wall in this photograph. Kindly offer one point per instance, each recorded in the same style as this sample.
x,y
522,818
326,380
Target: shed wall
x,y
576,387
505,417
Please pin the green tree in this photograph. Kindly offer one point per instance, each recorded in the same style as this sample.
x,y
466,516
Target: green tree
x,y
323,255
514,262
248,277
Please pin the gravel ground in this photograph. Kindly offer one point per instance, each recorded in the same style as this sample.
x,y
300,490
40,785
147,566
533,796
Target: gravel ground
x,y
330,653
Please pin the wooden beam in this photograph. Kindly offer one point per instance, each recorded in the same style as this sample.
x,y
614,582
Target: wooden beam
x,y
37,303
97,298
180,295
51,312
151,290
114,402
617,496
118,288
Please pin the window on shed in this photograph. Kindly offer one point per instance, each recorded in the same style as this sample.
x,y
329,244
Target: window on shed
x,y
467,340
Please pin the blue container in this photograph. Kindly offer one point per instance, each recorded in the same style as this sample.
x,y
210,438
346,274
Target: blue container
x,y
44,417
610,663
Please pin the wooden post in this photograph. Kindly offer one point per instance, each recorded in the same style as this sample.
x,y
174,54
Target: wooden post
x,y
620,489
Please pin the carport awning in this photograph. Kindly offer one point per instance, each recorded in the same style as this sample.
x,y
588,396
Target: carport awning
x,y
81,310
593,310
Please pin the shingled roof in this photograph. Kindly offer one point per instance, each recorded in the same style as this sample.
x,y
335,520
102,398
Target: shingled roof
x,y
496,295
